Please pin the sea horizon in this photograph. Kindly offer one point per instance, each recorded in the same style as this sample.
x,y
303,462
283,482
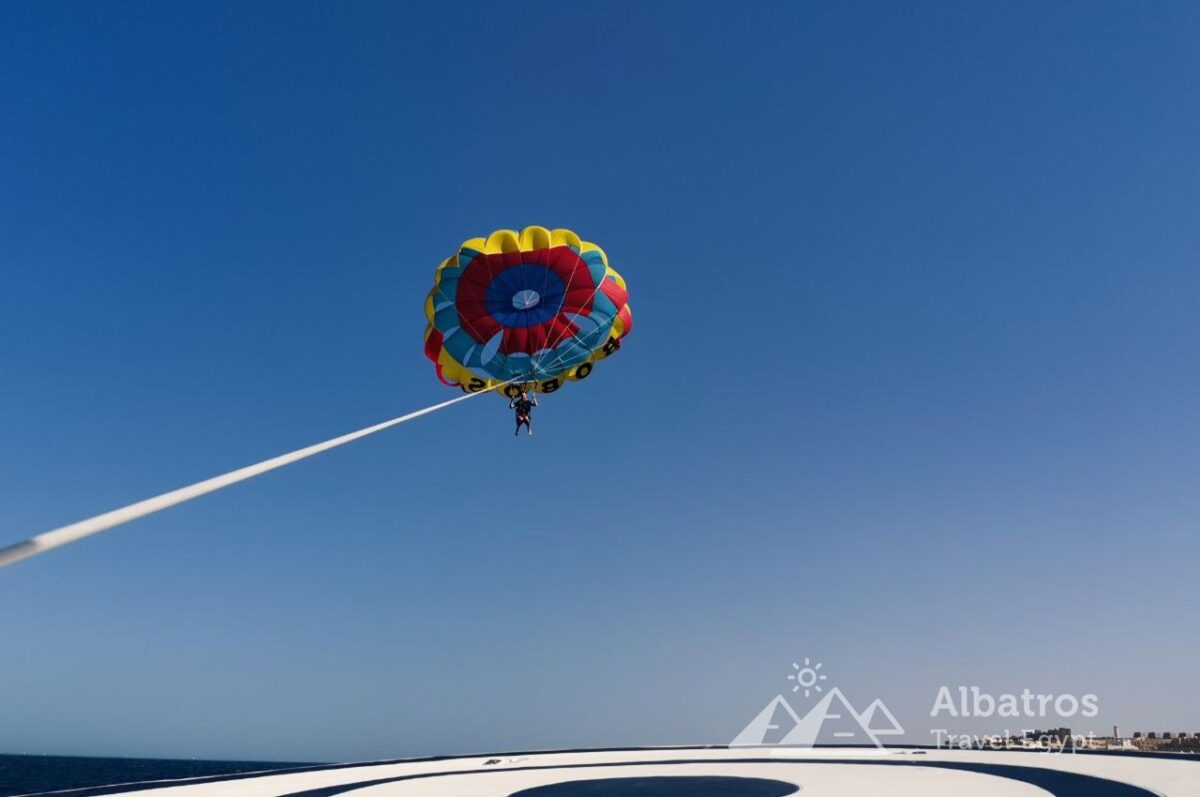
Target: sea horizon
x,y
39,773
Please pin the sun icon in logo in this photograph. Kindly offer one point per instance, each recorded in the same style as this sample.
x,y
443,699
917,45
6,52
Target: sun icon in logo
x,y
806,677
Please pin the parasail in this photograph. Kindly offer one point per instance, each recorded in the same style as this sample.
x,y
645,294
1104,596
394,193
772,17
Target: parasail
x,y
532,309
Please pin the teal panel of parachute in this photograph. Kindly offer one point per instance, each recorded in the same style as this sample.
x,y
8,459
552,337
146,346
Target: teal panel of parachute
x,y
450,273
496,365
596,266
448,283
568,355
460,346
466,255
602,305
445,315
516,364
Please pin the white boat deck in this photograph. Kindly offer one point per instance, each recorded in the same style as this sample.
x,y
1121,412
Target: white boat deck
x,y
764,771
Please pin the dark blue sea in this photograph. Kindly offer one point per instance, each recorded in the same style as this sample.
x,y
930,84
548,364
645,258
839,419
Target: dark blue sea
x,y
30,774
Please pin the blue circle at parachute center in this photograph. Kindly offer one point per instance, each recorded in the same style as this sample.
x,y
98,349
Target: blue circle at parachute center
x,y
516,286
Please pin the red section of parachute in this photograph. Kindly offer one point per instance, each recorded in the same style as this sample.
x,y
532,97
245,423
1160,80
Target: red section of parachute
x,y
433,345
471,298
616,294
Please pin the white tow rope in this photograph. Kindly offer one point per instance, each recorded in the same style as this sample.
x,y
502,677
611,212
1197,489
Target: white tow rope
x,y
93,525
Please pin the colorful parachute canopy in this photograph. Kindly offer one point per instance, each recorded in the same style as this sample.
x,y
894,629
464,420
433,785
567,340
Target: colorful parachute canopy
x,y
539,306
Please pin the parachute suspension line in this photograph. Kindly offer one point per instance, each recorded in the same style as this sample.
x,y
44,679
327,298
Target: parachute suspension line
x,y
93,525
545,284
575,336
550,347
536,364
559,359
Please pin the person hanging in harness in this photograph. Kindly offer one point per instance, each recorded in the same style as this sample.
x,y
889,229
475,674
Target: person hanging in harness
x,y
523,405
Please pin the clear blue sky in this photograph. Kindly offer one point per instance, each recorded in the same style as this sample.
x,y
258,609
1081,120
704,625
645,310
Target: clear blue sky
x,y
912,389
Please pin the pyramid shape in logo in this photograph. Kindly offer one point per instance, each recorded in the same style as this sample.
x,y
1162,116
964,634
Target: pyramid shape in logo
x,y
775,716
848,726
870,720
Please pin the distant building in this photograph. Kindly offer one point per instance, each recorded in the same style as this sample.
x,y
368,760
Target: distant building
x,y
1163,741
1104,743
